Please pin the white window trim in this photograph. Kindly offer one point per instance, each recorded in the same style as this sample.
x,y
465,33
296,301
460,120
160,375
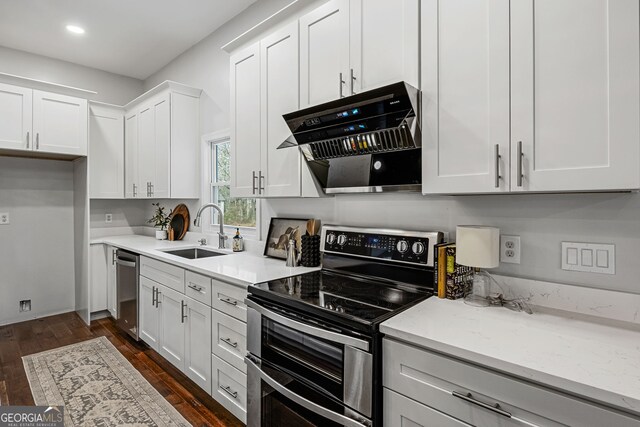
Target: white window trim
x,y
207,141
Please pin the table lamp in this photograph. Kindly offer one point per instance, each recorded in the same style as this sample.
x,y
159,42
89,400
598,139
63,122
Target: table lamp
x,y
479,247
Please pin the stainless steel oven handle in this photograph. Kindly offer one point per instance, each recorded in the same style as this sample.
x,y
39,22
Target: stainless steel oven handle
x,y
311,330
322,411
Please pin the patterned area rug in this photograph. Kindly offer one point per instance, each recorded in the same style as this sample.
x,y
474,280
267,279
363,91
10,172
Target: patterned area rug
x,y
98,386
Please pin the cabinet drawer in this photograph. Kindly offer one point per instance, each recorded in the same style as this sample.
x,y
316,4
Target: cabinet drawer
x,y
198,287
403,412
229,387
432,379
163,273
229,299
229,339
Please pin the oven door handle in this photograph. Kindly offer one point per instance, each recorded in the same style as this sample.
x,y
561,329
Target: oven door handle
x,y
314,407
308,329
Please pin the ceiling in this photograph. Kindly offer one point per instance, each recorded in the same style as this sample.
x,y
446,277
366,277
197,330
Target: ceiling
x,y
134,38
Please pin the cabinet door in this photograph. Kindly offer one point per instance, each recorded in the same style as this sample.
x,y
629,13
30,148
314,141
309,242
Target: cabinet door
x,y
198,343
575,103
146,150
112,296
324,53
60,123
172,326
279,95
465,98
131,180
401,411
98,290
385,40
160,184
15,117
245,121
106,146
148,313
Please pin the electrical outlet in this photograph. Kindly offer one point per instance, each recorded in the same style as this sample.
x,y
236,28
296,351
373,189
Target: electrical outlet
x,y
108,218
4,218
510,249
25,305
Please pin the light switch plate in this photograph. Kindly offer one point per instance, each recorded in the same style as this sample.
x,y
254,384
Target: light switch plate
x,y
4,218
589,257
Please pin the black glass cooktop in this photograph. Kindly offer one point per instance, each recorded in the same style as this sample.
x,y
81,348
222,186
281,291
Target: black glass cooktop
x,y
339,297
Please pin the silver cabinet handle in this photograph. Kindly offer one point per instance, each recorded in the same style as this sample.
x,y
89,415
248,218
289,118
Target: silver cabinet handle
x,y
151,187
468,397
124,263
498,166
308,329
228,390
158,293
255,187
135,190
311,406
27,139
341,83
38,141
353,79
229,301
233,344
519,168
196,288
182,307
113,257
260,182
153,295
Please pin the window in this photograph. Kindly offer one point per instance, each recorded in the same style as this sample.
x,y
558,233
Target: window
x,y
237,212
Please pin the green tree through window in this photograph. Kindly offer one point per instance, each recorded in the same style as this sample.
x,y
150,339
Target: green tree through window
x,y
237,212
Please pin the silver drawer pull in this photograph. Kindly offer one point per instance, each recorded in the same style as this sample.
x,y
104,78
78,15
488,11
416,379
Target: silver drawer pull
x,y
228,390
233,344
229,301
468,397
196,288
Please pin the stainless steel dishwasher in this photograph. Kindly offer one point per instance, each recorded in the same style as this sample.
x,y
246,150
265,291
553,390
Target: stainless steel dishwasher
x,y
128,269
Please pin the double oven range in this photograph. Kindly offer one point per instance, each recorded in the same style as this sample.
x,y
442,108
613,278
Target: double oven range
x,y
315,350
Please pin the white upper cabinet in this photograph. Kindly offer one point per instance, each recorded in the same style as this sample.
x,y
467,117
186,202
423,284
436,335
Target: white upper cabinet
x,y
384,44
15,117
279,95
106,151
324,53
245,122
574,88
465,98
59,123
162,143
44,122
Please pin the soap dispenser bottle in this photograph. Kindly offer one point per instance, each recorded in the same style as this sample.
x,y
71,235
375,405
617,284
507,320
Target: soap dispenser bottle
x,y
238,242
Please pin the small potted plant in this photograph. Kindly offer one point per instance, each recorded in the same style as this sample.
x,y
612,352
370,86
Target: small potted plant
x,y
160,219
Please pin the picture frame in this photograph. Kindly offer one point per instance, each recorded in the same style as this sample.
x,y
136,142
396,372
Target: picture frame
x,y
280,231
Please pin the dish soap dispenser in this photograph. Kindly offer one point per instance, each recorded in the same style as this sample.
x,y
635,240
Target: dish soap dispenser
x,y
238,242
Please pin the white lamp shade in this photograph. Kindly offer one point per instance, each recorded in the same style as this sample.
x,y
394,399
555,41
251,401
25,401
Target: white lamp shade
x,y
478,246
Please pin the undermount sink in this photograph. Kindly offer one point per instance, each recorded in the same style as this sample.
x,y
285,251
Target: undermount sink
x,y
194,253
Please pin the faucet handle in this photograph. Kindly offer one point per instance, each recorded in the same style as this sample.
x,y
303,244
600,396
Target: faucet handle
x,y
203,242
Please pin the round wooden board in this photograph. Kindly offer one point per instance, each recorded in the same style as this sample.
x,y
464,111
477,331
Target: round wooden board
x,y
180,221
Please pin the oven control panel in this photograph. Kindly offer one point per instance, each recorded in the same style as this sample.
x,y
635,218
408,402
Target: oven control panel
x,y
391,245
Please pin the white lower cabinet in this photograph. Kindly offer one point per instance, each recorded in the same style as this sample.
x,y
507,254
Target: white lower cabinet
x,y
229,387
474,395
148,313
197,362
172,326
98,291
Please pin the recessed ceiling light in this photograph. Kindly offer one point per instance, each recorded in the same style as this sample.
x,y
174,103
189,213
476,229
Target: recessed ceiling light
x,y
75,29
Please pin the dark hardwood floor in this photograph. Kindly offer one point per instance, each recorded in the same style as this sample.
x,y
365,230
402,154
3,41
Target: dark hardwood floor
x,y
21,339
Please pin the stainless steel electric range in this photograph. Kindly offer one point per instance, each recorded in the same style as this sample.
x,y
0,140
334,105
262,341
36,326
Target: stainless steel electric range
x,y
315,350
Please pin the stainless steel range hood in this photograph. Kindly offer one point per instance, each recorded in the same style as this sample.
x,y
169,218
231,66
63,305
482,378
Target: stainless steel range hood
x,y
369,142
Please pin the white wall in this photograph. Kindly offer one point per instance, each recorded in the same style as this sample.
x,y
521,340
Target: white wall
x,y
543,221
111,88
37,248
133,213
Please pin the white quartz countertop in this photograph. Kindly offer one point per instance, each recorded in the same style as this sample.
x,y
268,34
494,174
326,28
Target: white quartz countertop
x,y
240,268
595,358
